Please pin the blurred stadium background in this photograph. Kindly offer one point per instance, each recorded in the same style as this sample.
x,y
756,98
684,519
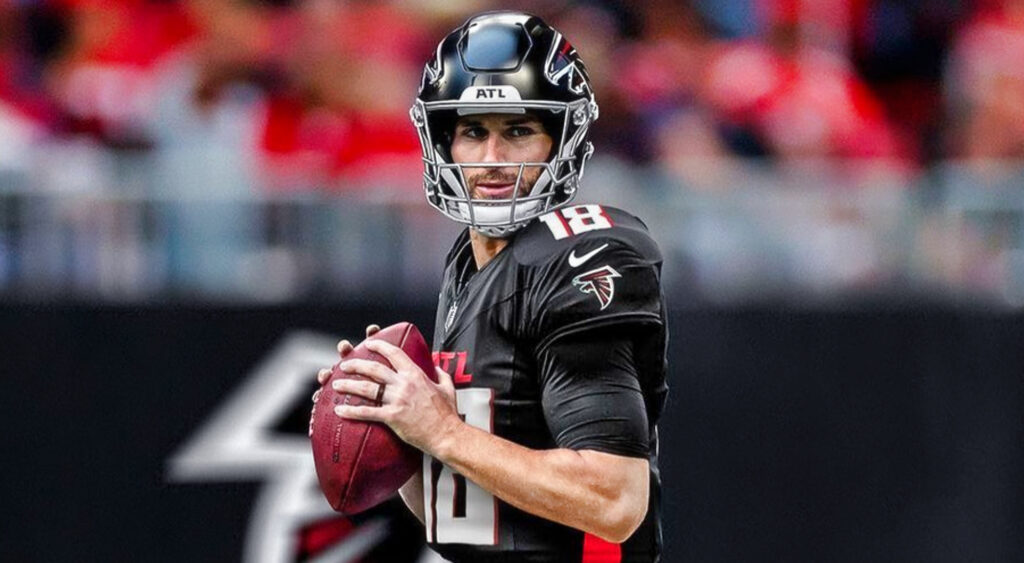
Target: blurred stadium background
x,y
837,185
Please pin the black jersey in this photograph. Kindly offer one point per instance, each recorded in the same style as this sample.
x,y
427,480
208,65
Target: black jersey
x,y
580,275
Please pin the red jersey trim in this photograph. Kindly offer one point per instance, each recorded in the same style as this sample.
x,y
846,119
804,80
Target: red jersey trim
x,y
596,550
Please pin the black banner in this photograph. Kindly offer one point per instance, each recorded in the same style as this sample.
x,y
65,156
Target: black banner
x,y
156,434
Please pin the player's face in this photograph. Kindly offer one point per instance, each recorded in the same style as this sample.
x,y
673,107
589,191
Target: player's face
x,y
498,138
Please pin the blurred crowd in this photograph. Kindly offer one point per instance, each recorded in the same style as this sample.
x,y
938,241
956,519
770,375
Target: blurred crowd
x,y
315,92
776,144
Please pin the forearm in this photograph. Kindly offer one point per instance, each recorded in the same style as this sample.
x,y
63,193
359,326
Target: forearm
x,y
572,488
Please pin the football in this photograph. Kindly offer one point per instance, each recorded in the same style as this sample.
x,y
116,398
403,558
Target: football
x,y
360,464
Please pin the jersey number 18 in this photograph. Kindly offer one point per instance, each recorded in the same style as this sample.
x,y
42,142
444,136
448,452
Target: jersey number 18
x,y
576,220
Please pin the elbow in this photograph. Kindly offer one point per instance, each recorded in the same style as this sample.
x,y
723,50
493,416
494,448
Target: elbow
x,y
622,518
622,490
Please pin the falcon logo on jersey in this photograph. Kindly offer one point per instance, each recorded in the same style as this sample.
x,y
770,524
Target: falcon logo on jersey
x,y
600,282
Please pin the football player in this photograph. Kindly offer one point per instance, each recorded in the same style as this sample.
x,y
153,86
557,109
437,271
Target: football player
x,y
540,439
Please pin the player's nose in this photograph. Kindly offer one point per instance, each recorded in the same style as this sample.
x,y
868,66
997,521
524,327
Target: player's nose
x,y
494,149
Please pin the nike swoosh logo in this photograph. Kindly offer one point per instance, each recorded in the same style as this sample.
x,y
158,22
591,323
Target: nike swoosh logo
x,y
576,261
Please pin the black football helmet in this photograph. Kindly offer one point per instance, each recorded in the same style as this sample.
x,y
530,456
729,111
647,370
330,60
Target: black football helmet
x,y
504,62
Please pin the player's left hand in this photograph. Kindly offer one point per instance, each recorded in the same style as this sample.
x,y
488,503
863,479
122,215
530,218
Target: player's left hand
x,y
416,408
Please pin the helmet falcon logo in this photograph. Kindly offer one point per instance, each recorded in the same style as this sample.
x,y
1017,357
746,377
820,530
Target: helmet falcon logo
x,y
600,283
561,61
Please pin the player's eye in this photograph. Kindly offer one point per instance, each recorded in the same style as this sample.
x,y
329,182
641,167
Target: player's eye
x,y
521,131
473,132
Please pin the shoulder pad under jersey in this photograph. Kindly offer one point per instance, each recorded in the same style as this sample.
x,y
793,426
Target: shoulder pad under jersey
x,y
589,266
578,229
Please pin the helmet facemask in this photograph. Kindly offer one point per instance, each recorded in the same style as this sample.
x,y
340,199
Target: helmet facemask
x,y
445,181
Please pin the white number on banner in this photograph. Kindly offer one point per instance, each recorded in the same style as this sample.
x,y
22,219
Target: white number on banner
x,y
576,220
457,510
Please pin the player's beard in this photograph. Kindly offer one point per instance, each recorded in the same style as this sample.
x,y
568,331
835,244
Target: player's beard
x,y
530,176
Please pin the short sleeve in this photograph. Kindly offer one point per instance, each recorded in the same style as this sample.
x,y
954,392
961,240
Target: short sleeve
x,y
591,395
